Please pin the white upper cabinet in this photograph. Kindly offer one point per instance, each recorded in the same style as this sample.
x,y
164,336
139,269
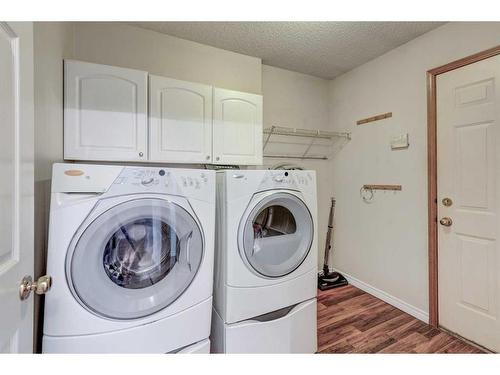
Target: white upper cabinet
x,y
237,134
117,114
105,112
180,121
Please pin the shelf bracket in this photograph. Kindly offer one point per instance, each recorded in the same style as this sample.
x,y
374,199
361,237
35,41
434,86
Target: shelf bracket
x,y
310,145
271,131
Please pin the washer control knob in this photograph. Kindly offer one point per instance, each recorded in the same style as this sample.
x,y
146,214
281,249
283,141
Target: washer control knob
x,y
147,182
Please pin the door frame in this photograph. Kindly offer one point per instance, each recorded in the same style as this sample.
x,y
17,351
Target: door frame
x,y
432,171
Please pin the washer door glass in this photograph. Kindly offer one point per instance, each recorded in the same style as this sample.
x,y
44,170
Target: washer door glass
x,y
135,258
277,235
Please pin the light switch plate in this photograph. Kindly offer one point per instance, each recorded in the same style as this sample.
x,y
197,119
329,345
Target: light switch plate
x,y
400,142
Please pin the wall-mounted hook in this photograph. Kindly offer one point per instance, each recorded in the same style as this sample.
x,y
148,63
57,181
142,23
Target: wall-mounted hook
x,y
366,194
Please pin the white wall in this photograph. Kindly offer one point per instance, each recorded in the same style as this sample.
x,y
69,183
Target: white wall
x,y
384,244
52,43
300,101
132,47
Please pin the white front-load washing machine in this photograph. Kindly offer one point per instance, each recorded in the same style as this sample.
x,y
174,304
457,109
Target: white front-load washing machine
x,y
130,253
266,262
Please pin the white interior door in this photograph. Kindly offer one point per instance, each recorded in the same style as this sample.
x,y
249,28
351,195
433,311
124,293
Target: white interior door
x,y
16,184
180,121
468,112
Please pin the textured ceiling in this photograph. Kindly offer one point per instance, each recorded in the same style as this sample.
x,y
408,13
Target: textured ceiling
x,y
322,49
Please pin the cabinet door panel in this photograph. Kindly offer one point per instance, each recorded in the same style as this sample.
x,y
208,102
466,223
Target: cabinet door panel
x,y
105,114
180,121
237,128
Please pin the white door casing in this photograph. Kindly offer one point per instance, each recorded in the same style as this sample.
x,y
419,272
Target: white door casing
x,y
16,184
468,143
237,136
180,121
105,112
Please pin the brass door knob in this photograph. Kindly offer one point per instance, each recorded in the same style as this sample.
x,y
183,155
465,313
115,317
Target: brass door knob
x,y
41,286
446,221
447,202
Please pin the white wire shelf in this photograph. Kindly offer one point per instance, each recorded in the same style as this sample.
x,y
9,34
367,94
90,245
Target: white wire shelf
x,y
306,143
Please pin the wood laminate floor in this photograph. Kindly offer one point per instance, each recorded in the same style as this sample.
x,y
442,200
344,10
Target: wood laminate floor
x,y
352,321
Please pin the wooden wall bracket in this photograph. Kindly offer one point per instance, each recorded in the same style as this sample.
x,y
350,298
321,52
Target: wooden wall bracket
x,y
374,118
383,187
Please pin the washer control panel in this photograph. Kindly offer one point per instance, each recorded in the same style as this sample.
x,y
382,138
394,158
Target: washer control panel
x,y
195,182
163,180
142,177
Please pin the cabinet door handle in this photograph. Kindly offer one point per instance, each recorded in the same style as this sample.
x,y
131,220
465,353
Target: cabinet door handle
x,y
217,158
141,154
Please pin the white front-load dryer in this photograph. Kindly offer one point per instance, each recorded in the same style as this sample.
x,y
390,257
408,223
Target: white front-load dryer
x,y
266,261
130,253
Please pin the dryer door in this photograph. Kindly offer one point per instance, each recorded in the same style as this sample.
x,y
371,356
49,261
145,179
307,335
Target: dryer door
x,y
135,258
276,234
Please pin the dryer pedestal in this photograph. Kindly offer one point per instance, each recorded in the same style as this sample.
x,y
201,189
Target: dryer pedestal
x,y
288,330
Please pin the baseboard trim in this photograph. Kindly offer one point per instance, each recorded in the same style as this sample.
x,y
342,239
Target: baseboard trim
x,y
386,297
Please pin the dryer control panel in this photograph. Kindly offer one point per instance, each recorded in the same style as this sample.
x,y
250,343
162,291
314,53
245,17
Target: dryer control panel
x,y
278,179
244,182
290,178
